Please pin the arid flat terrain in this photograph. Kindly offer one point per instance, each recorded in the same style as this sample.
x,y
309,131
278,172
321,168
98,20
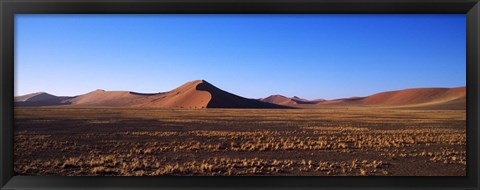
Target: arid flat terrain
x,y
343,141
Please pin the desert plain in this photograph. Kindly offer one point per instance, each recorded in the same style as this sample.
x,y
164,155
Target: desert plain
x,y
200,130
334,141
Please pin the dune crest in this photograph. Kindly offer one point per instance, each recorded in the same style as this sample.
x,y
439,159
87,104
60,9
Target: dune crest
x,y
185,96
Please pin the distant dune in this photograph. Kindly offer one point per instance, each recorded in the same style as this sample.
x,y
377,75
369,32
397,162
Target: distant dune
x,y
40,99
102,98
438,98
39,96
415,96
282,100
418,98
344,101
201,94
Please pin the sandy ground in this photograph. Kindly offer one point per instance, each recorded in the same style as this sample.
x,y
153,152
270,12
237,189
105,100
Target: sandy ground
x,y
334,141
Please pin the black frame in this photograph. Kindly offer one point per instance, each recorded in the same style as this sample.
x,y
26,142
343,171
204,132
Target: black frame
x,y
8,8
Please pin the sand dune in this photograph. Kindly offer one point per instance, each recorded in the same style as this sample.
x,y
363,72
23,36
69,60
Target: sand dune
x,y
441,98
456,104
201,94
40,99
282,100
344,101
185,96
39,96
102,98
415,96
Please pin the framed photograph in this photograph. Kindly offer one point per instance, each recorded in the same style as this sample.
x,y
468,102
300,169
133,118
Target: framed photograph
x,y
203,94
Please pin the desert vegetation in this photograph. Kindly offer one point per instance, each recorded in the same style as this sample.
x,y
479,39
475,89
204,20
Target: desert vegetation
x,y
343,141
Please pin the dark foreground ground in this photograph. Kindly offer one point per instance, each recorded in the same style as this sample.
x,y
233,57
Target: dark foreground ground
x,y
333,141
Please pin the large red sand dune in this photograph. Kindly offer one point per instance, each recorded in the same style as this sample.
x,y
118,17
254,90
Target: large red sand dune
x,y
201,94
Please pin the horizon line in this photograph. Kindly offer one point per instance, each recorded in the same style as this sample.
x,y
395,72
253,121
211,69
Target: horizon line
x,y
39,92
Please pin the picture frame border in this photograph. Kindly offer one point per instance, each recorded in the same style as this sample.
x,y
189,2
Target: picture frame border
x,y
8,9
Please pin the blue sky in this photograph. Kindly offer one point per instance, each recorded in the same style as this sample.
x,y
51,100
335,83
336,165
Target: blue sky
x,y
310,56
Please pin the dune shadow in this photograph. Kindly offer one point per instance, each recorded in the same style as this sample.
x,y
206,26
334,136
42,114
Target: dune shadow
x,y
223,99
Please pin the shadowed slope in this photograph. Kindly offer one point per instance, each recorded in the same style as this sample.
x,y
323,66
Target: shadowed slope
x,y
223,99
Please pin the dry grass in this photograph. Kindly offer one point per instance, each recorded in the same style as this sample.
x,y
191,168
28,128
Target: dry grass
x,y
136,142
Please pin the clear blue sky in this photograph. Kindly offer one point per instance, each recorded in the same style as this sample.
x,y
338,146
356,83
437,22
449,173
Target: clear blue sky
x,y
310,56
